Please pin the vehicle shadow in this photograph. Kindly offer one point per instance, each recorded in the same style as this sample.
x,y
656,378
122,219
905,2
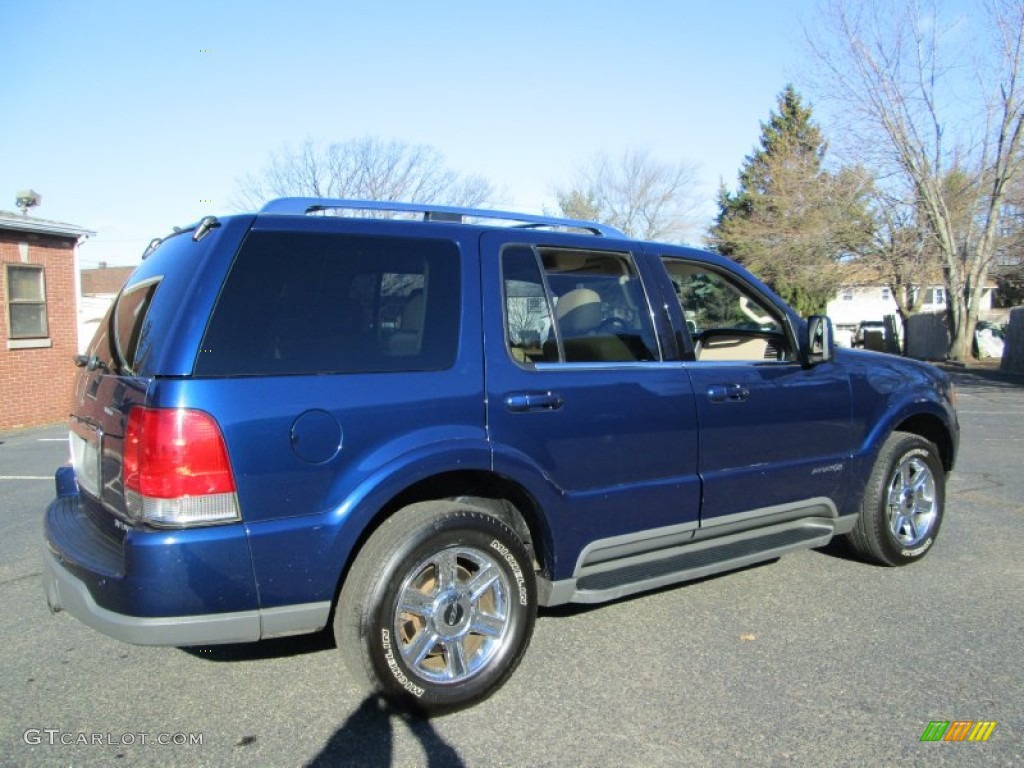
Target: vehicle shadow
x,y
367,737
840,549
274,648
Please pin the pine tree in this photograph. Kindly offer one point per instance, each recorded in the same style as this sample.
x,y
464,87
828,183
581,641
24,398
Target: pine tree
x,y
791,221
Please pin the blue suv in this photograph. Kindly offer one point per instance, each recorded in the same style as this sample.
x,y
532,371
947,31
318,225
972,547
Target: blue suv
x,y
417,428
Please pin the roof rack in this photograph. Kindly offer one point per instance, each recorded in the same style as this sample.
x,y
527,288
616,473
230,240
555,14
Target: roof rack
x,y
444,213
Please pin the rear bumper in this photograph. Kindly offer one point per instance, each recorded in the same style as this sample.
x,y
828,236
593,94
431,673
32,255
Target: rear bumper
x,y
65,592
155,587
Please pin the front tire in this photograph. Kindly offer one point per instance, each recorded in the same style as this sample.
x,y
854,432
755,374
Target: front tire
x,y
438,607
903,502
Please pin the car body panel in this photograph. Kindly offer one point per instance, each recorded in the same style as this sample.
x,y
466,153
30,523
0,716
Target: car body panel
x,y
624,475
620,446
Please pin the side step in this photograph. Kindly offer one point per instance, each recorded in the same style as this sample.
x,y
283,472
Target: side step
x,y
694,560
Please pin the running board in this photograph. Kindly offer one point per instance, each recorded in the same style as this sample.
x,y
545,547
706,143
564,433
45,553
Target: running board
x,y
694,560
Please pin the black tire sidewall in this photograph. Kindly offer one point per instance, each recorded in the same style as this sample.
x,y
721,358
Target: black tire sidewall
x,y
907,448
456,529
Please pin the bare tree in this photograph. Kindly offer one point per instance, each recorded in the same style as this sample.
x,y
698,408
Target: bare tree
x,y
634,192
363,169
907,111
898,255
1009,267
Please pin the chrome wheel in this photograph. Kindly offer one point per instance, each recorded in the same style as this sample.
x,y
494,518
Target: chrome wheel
x,y
913,506
452,616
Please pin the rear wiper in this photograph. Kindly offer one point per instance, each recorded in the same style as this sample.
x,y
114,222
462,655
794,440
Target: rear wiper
x,y
199,230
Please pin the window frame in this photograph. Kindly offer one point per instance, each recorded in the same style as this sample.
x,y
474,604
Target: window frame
x,y
40,270
744,288
137,300
628,257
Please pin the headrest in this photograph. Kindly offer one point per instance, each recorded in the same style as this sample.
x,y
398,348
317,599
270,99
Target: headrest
x,y
574,300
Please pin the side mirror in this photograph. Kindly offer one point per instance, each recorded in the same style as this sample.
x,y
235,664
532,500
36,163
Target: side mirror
x,y
819,346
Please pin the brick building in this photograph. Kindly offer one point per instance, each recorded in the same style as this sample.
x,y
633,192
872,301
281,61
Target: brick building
x,y
39,288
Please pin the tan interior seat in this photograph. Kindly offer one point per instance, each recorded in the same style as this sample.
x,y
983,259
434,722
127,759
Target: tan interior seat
x,y
730,348
579,316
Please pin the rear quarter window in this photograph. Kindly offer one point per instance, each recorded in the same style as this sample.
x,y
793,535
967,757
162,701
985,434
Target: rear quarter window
x,y
121,334
130,326
312,303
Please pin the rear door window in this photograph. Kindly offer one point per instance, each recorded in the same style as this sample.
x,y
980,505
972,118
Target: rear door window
x,y
310,303
575,306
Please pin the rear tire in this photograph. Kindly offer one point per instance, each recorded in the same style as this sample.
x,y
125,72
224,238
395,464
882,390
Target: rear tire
x,y
903,503
438,607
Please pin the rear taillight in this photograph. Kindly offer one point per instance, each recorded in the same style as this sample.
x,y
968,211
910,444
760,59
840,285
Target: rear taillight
x,y
176,468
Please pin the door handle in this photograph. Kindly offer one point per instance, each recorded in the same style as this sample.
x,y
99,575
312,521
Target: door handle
x,y
533,401
728,393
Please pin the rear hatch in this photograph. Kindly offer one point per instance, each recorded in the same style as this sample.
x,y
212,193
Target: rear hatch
x,y
151,331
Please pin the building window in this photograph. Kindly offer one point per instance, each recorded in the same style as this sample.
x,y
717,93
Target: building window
x,y
886,294
26,302
847,294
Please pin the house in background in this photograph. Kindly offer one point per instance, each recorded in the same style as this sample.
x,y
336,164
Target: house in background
x,y
855,304
99,289
38,318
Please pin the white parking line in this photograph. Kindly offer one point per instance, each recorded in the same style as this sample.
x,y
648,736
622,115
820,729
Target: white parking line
x,y
25,477
991,413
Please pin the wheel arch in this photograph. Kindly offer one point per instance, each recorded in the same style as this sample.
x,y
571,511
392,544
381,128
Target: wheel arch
x,y
931,428
484,490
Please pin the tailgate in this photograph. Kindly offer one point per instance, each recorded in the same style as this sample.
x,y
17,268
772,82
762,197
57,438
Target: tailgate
x,y
97,435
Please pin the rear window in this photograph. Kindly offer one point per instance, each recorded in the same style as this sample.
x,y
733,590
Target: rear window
x,y
310,303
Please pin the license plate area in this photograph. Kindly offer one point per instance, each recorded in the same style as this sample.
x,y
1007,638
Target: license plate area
x,y
86,449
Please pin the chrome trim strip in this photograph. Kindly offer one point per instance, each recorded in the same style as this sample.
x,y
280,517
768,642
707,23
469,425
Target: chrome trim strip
x,y
672,365
657,540
819,507
808,508
553,593
603,550
703,544
567,590
306,205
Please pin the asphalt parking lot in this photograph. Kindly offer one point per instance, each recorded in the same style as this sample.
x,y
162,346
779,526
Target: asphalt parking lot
x,y
813,660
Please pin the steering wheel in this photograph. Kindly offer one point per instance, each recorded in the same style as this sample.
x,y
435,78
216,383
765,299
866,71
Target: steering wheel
x,y
613,325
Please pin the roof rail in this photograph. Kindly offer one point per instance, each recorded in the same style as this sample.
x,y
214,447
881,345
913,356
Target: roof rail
x,y
445,213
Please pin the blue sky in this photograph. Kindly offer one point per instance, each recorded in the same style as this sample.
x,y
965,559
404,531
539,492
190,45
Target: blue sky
x,y
132,117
